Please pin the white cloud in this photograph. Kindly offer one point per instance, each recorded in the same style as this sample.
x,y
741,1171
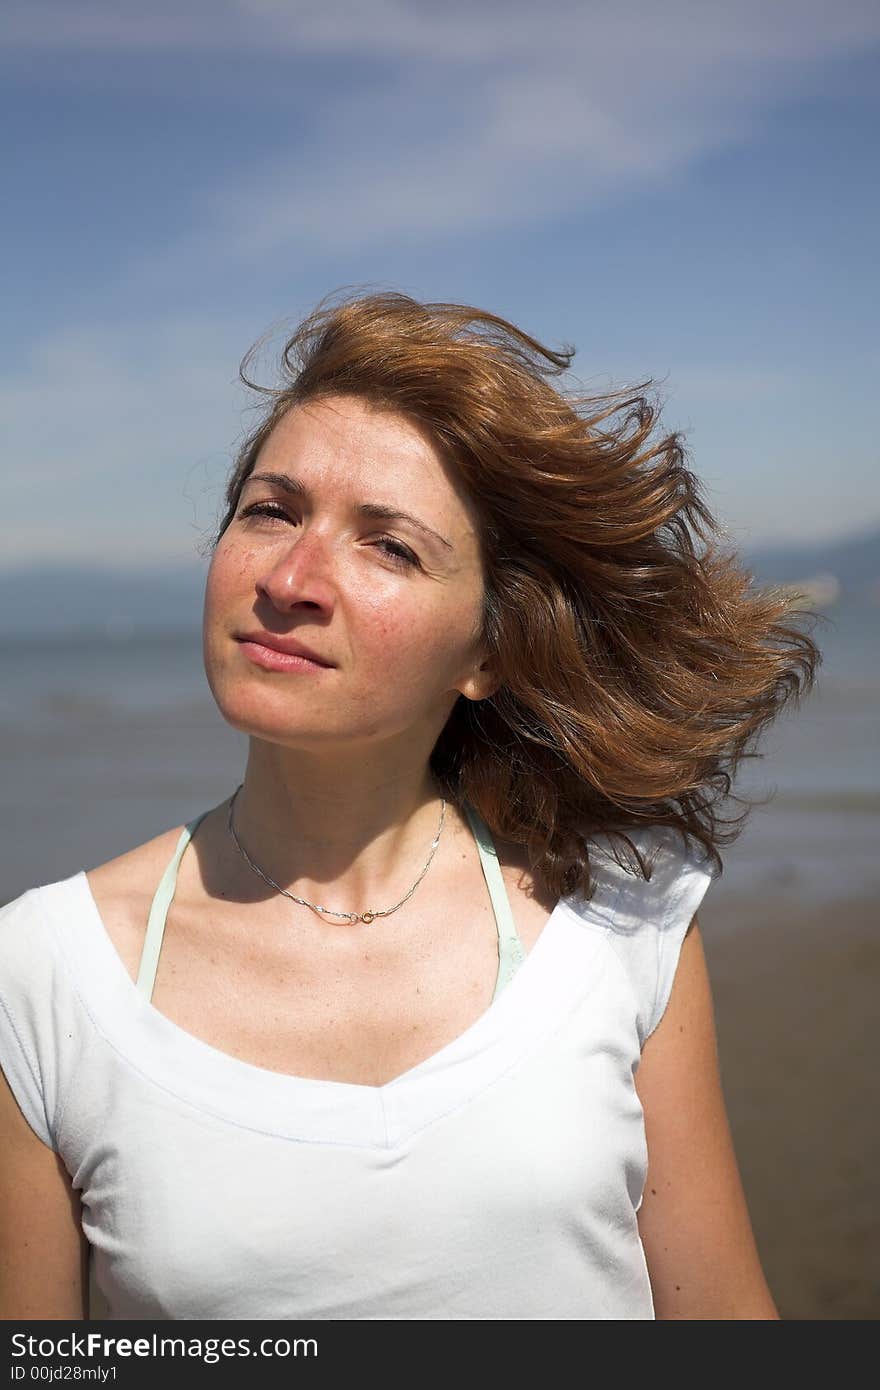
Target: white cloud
x,y
459,30
479,117
475,118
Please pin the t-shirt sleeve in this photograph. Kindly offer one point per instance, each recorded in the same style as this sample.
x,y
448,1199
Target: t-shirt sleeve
x,y
31,1016
647,920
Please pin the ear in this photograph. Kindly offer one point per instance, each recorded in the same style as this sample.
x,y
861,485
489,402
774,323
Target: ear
x,y
481,683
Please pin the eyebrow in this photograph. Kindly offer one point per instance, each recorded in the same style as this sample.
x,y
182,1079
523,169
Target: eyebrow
x,y
377,511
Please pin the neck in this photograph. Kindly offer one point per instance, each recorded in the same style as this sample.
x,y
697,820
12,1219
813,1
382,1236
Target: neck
x,y
349,837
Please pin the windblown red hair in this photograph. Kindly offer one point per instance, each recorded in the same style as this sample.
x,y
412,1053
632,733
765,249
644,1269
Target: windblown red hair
x,y
639,662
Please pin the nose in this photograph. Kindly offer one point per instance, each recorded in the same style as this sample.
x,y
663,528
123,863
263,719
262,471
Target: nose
x,y
298,574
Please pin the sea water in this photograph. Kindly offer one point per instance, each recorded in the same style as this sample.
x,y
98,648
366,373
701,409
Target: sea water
x,y
108,741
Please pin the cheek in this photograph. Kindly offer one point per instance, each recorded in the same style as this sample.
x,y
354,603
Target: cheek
x,y
230,577
419,646
226,587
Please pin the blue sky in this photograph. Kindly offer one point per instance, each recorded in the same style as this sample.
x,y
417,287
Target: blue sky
x,y
683,191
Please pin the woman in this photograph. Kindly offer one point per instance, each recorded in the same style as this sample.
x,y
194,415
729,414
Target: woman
x,y
416,1023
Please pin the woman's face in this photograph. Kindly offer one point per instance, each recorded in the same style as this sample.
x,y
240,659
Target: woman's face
x,y
393,607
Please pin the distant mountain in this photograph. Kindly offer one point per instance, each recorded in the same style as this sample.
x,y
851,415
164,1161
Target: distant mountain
x,y
854,561
73,600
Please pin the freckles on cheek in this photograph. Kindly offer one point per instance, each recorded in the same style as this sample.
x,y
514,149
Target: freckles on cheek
x,y
386,637
406,640
230,573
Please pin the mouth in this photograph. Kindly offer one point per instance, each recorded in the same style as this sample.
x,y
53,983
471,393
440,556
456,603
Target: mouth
x,y
271,659
285,647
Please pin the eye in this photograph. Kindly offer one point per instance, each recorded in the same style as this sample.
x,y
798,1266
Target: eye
x,y
270,509
398,553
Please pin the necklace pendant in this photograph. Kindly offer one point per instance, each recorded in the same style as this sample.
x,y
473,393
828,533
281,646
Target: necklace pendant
x,y
367,916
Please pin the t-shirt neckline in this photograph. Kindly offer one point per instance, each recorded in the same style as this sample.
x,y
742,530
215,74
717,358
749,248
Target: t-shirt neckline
x,y
211,1080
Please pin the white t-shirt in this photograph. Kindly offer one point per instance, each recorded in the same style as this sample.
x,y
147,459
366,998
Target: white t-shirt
x,y
500,1178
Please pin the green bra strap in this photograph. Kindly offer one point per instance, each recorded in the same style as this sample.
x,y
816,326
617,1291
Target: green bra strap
x,y
159,911
511,952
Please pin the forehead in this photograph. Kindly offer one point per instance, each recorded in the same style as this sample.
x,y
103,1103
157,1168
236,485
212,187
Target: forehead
x,y
348,441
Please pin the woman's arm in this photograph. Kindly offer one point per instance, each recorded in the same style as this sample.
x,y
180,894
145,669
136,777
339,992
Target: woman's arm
x,y
43,1252
693,1221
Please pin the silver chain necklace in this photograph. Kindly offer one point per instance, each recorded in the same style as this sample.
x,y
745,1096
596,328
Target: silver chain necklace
x,y
350,916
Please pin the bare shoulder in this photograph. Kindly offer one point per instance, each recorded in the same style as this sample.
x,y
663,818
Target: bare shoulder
x,y
123,889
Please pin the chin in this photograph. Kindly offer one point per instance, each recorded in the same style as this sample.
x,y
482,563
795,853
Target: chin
x,y
260,712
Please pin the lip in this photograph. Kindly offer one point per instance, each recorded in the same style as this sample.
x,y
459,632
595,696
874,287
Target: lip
x,y
280,652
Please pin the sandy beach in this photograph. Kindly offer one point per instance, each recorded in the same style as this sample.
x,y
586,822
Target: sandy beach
x,y
795,993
